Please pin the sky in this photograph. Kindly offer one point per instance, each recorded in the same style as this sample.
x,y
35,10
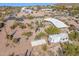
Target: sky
x,y
39,1
24,4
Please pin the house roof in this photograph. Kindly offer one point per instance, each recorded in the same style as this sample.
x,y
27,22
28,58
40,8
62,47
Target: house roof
x,y
38,42
24,9
58,37
56,22
47,9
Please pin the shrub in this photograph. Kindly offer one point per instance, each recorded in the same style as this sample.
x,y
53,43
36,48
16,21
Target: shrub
x,y
14,25
29,25
70,50
1,24
74,35
72,27
40,24
28,34
1,18
30,17
39,35
16,40
52,30
10,37
74,12
44,47
21,25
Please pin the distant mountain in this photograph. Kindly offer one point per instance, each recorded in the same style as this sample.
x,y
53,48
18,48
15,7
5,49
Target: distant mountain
x,y
67,4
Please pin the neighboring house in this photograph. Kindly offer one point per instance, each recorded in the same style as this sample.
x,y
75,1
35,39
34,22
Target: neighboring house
x,y
58,38
38,42
13,17
25,10
10,17
47,10
68,6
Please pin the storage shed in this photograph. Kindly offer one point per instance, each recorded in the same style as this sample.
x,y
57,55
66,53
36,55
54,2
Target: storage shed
x,y
38,42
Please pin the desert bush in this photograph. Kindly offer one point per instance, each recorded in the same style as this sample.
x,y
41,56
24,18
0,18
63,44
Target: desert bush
x,y
28,34
21,25
30,17
14,25
52,30
70,50
30,25
74,12
40,35
44,47
39,23
72,27
9,37
16,40
74,35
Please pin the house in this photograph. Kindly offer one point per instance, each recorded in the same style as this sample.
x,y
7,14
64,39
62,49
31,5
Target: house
x,y
57,38
57,23
26,10
38,42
